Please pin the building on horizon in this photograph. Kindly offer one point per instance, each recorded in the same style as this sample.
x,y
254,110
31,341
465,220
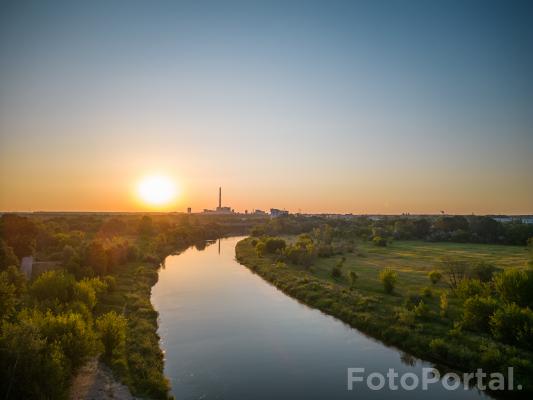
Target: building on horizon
x,y
274,212
220,209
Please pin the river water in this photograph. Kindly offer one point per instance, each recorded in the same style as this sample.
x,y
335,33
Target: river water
x,y
228,334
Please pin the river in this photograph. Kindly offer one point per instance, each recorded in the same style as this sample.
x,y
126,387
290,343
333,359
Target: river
x,y
228,334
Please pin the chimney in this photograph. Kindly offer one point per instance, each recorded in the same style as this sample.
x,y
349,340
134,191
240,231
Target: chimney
x,y
219,197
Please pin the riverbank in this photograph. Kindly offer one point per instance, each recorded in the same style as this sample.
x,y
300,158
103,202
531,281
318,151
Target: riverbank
x,y
141,366
371,311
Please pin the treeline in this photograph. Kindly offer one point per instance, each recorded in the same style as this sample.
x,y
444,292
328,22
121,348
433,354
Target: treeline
x,y
458,228
95,301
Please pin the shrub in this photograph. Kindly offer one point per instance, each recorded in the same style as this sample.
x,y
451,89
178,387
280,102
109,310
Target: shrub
x,y
405,316
443,305
422,311
514,325
30,367
53,286
412,300
74,335
482,271
427,292
435,277
477,311
273,245
7,297
379,241
472,287
515,286
112,331
260,249
455,271
438,347
389,278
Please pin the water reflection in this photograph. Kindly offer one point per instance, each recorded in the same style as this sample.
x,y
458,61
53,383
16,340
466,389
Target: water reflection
x,y
227,334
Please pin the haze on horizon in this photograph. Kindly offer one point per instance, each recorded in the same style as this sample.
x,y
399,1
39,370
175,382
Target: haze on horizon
x,y
332,106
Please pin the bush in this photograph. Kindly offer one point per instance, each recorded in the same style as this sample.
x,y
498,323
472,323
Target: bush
x,y
389,278
7,297
53,286
273,245
435,277
74,335
427,292
455,271
514,325
112,331
515,286
482,271
412,300
477,311
422,311
379,241
30,367
443,305
472,287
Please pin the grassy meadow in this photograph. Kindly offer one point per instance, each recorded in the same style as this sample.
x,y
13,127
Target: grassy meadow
x,y
366,306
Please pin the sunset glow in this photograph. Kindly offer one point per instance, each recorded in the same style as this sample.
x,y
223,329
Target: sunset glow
x,y
157,190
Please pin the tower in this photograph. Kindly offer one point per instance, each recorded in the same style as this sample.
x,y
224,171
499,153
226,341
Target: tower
x,y
220,197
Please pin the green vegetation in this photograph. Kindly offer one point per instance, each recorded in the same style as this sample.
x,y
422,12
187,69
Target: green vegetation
x,y
93,300
476,314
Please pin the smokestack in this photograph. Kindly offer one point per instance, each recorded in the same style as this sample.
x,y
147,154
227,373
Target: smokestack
x,y
219,197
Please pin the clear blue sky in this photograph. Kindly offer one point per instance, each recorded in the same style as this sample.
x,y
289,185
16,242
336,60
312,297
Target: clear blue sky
x,y
356,106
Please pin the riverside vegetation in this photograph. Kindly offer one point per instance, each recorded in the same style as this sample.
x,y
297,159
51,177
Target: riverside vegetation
x,y
94,300
461,305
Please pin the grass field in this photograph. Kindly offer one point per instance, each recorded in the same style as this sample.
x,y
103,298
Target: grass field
x,y
367,307
413,261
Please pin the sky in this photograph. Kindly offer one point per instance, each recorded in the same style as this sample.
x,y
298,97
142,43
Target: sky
x,y
312,106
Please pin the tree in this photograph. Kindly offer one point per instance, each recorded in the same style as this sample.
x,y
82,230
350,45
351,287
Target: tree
x,y
30,366
7,256
96,257
435,277
477,311
513,325
482,271
389,278
146,226
7,297
19,233
455,271
112,331
515,286
53,287
379,241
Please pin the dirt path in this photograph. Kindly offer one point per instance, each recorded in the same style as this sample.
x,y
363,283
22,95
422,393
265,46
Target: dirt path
x,y
95,381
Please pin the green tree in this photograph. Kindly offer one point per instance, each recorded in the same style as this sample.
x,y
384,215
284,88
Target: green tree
x,y
514,325
30,366
7,297
53,287
112,331
7,256
388,278
515,286
477,311
435,277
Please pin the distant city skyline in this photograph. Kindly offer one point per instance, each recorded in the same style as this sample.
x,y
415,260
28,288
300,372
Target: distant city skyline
x,y
367,107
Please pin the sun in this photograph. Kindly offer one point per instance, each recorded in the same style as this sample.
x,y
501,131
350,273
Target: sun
x,y
156,190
